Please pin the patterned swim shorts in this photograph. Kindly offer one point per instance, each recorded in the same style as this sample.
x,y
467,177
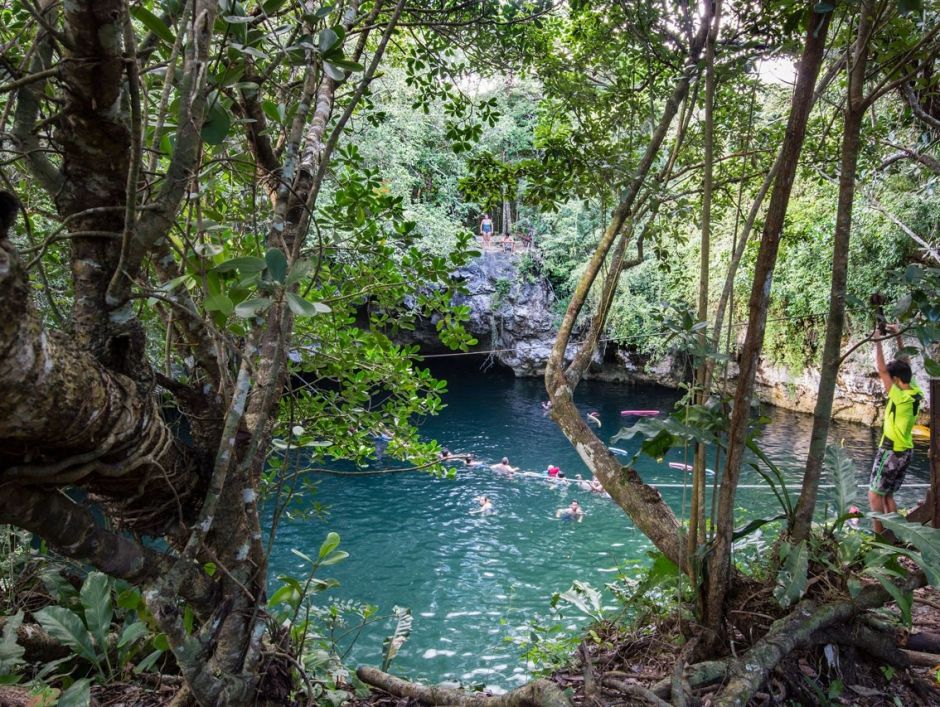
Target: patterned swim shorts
x,y
887,473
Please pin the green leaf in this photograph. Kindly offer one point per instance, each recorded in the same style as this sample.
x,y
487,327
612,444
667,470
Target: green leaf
x,y
584,597
161,642
902,598
247,264
209,568
78,694
347,65
335,558
217,124
393,643
932,367
821,8
298,271
132,633
252,307
66,627
329,544
153,23
326,40
334,72
96,600
303,556
754,525
922,537
844,476
272,6
219,303
147,663
129,599
11,653
304,308
188,619
791,580
276,264
285,595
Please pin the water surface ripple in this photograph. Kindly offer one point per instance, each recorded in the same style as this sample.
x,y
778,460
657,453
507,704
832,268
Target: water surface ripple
x,y
473,580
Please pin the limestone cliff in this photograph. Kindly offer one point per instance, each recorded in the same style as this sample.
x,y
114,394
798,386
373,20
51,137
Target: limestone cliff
x,y
512,315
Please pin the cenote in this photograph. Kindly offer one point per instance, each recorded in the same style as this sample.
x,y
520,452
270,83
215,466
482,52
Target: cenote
x,y
475,582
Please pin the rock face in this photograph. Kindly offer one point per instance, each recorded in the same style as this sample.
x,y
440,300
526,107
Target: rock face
x,y
511,315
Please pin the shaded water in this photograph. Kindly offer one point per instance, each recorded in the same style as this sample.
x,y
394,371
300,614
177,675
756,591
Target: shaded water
x,y
472,581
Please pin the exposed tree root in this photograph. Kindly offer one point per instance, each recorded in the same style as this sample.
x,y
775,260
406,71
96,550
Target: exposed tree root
x,y
798,629
637,692
539,693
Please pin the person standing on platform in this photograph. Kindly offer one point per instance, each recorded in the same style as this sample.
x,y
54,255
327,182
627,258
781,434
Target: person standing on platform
x,y
486,230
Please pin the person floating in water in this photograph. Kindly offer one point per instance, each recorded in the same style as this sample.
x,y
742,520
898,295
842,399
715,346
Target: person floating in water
x,y
552,471
485,507
582,484
572,512
504,468
470,460
594,417
547,405
597,487
445,454
897,446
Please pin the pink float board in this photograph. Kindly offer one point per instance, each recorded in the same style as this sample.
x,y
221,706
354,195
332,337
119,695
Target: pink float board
x,y
640,413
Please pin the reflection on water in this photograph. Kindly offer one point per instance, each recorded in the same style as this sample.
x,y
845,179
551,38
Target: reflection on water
x,y
472,580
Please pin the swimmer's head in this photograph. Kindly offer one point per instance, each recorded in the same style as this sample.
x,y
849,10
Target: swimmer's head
x,y
578,477
505,460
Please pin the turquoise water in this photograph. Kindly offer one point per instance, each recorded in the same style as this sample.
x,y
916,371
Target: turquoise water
x,y
471,581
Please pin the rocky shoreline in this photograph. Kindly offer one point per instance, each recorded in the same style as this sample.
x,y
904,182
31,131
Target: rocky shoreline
x,y
513,315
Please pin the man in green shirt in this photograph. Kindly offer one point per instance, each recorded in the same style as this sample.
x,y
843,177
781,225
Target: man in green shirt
x,y
897,447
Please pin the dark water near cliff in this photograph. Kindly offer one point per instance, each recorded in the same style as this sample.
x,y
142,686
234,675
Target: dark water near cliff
x,y
474,582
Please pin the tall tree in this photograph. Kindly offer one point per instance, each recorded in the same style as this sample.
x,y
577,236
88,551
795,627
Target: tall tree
x,y
174,156
719,562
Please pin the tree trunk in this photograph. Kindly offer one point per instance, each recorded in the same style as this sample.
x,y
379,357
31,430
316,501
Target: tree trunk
x,y
835,322
702,378
643,503
719,563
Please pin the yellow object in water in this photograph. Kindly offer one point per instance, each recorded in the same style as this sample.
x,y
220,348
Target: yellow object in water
x,y
920,432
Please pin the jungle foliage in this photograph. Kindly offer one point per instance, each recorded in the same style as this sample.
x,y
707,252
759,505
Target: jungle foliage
x,y
235,211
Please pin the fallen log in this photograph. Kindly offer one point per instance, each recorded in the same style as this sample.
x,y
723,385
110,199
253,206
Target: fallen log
x,y
538,693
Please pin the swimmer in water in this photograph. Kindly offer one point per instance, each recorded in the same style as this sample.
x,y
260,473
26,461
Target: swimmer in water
x,y
486,506
572,512
504,468
596,486
547,405
552,471
582,484
470,460
594,417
